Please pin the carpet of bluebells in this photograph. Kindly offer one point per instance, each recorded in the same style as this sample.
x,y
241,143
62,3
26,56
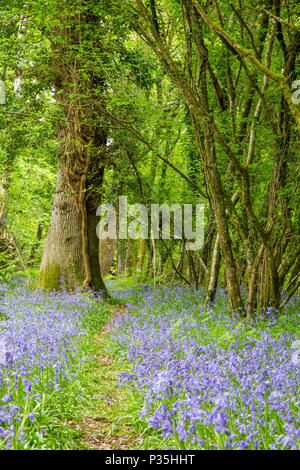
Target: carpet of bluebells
x,y
40,337
209,382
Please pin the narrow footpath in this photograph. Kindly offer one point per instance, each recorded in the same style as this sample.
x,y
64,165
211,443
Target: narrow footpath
x,y
108,419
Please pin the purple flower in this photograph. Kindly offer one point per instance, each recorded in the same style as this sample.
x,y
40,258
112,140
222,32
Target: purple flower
x,y
6,398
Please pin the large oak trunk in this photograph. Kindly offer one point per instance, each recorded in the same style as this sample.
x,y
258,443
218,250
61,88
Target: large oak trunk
x,y
62,255
71,252
63,261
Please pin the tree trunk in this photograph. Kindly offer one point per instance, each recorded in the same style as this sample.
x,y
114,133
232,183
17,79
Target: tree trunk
x,y
62,255
214,272
4,197
122,254
131,257
71,252
106,251
141,255
95,180
36,245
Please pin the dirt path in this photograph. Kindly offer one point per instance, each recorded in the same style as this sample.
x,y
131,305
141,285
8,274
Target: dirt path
x,y
107,422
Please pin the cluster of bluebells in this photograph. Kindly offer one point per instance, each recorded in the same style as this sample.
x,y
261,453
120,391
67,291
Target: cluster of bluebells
x,y
39,343
209,382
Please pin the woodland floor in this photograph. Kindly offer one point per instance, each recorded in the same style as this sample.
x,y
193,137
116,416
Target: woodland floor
x,y
165,342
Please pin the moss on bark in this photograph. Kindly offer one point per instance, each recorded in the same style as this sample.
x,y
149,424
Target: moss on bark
x,y
50,277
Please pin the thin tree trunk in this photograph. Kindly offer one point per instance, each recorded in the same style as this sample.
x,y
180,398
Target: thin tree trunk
x,y
107,250
214,272
4,195
122,254
34,248
141,255
252,291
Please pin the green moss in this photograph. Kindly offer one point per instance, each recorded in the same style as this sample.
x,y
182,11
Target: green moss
x,y
49,277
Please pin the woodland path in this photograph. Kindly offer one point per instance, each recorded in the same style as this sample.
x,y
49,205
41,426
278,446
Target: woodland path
x,y
106,424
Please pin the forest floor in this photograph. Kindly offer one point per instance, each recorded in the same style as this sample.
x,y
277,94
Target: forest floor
x,y
106,376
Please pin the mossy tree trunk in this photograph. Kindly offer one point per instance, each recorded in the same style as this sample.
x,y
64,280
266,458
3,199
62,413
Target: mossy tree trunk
x,y
65,257
71,251
62,255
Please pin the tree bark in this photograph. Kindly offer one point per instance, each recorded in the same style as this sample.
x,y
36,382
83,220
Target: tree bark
x,y
214,272
71,251
62,255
